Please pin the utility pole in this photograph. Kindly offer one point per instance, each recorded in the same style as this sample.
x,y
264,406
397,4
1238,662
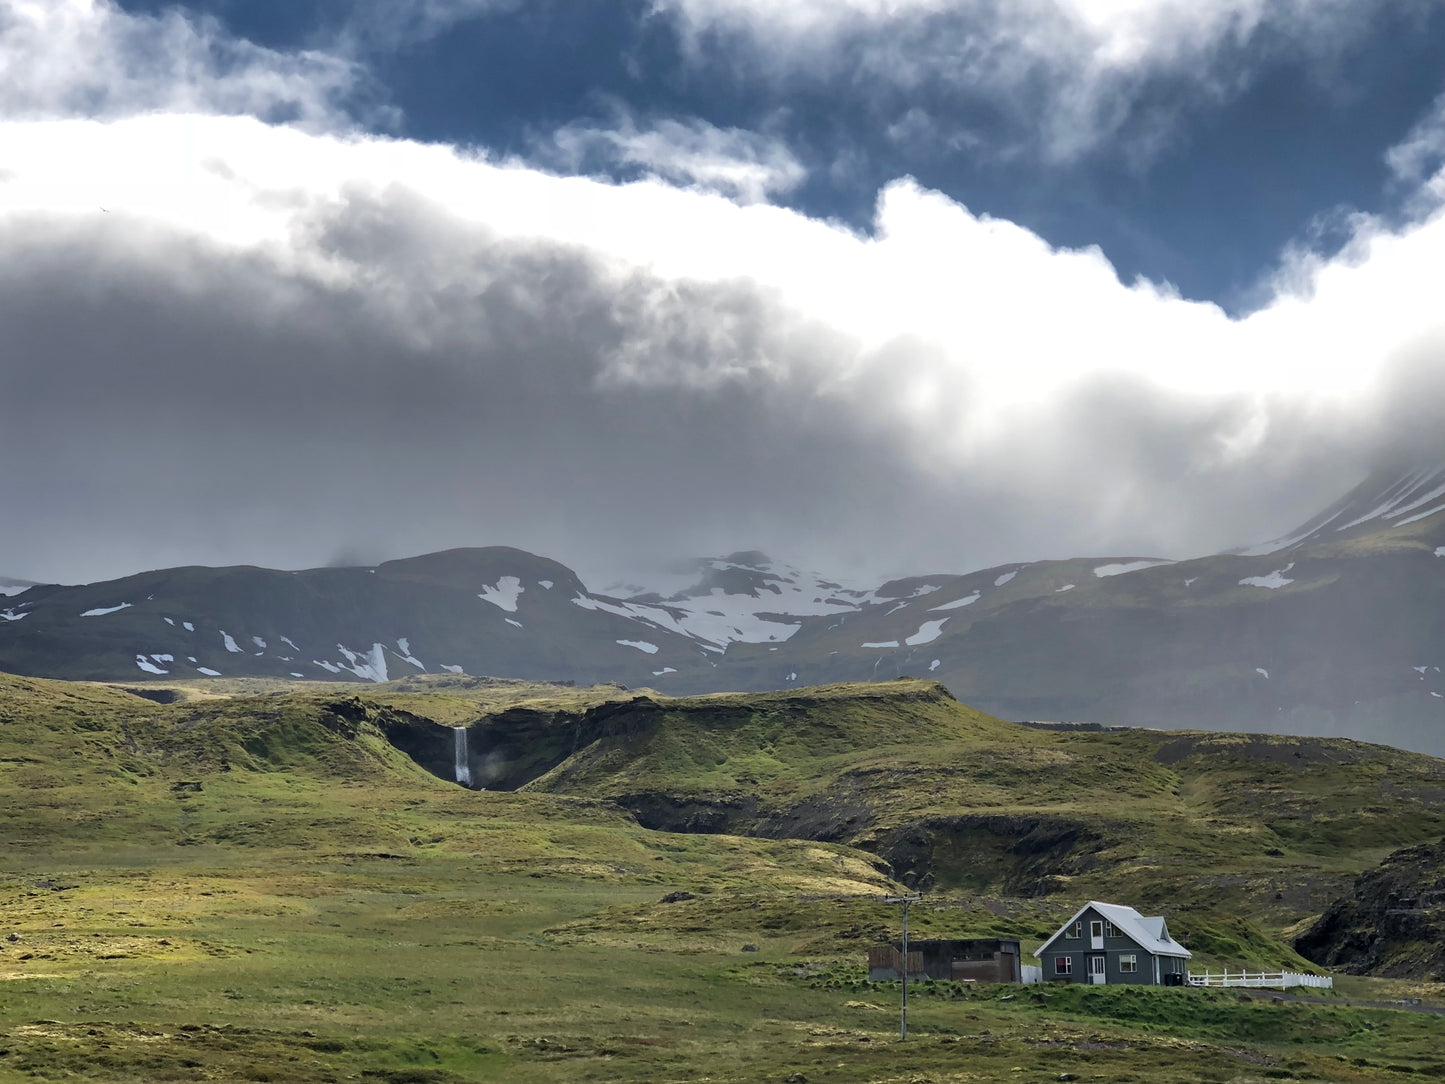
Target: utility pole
x,y
905,900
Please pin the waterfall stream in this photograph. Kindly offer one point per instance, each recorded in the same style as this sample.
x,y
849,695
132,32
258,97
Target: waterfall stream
x,y
463,768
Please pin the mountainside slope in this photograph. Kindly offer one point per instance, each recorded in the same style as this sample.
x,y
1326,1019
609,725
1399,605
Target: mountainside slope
x,y
1340,632
1336,629
494,610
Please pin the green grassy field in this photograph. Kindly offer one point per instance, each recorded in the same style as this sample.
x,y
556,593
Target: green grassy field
x,y
234,888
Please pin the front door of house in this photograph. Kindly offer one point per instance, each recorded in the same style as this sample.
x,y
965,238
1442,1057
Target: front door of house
x,y
1096,970
1096,935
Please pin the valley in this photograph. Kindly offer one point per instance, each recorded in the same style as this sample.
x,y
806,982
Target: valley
x,y
262,880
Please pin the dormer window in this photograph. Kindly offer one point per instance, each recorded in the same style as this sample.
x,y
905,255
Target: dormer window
x,y
1076,930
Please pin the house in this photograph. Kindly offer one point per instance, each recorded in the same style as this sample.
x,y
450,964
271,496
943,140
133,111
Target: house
x,y
978,960
1110,943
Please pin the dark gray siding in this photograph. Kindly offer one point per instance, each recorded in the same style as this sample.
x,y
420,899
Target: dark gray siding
x,y
1115,946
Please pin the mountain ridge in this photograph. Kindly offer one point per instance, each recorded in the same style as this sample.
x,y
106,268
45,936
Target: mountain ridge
x,y
1339,630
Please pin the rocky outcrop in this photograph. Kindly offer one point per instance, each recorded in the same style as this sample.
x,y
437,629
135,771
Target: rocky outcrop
x,y
1392,925
1017,855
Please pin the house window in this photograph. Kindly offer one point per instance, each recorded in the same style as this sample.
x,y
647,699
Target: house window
x,y
1129,964
1109,930
1063,965
1076,930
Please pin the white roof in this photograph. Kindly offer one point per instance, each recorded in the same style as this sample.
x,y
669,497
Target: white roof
x,y
1150,934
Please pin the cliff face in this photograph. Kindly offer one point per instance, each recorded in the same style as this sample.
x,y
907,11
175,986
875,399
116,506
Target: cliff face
x,y
1393,923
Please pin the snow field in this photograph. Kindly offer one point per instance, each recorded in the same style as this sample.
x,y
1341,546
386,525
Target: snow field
x,y
1273,581
504,593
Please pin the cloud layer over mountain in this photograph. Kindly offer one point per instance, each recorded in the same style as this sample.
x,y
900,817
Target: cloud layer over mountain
x,y
241,327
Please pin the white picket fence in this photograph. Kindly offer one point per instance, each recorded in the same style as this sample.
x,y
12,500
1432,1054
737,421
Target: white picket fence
x,y
1272,980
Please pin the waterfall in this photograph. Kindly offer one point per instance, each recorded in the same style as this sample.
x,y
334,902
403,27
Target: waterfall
x,y
459,746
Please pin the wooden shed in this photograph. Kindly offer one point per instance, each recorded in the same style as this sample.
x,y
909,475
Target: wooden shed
x,y
975,960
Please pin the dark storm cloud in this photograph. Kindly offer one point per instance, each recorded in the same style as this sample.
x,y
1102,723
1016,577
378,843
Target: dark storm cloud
x,y
168,401
170,406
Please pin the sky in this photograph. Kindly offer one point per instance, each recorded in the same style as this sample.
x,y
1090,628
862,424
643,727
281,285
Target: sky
x,y
880,287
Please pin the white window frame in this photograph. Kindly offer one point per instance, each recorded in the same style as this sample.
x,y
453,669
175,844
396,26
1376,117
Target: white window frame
x,y
1063,965
1076,931
1129,964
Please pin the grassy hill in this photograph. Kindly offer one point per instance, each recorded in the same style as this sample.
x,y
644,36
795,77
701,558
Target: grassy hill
x,y
255,882
1271,827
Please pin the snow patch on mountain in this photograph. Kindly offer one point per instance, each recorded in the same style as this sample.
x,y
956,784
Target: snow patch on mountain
x,y
958,603
1005,578
1120,568
1421,515
509,621
101,611
403,644
545,585
641,645
188,626
371,665
1273,581
742,598
930,631
259,642
1066,587
1285,542
882,643
1404,496
714,620
11,615
148,666
504,593
934,665
230,643
452,669
214,673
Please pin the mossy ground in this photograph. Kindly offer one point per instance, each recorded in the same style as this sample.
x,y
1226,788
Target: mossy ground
x,y
321,910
